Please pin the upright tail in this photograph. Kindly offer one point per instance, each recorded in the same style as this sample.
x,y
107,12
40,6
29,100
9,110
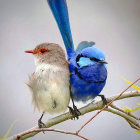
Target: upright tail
x,y
60,12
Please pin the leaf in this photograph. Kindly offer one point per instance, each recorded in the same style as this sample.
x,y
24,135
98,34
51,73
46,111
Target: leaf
x,y
127,109
134,86
138,131
8,132
136,108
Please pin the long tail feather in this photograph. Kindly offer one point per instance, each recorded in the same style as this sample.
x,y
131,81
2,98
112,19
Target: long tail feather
x,y
60,12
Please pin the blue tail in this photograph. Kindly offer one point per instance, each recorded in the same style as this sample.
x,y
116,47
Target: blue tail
x,y
60,12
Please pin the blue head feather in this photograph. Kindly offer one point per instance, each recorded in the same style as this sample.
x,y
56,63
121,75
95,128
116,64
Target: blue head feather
x,y
85,61
93,52
87,54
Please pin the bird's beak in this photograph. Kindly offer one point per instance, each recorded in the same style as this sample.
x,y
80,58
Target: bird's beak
x,y
103,61
29,51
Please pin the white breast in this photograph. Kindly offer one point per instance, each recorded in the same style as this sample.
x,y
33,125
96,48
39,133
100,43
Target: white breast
x,y
50,88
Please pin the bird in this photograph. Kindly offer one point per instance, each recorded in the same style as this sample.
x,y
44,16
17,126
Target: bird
x,y
87,64
49,84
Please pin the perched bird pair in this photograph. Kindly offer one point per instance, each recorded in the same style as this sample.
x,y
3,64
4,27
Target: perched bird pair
x,y
87,64
55,80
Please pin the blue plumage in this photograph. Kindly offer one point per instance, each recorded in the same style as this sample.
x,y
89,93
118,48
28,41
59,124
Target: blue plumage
x,y
87,63
60,12
88,73
84,44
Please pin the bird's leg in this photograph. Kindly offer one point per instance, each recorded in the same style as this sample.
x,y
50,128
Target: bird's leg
x,y
74,111
103,99
71,111
40,123
75,108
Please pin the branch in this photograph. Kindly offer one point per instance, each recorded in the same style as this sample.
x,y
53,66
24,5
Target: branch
x,y
96,105
122,110
106,106
19,137
129,119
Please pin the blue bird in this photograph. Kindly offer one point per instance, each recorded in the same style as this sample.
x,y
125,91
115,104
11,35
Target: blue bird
x,y
87,64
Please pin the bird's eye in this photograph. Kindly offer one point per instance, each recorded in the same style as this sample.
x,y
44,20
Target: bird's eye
x,y
94,59
42,50
91,58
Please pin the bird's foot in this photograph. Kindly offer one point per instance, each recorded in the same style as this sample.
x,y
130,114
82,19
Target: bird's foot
x,y
41,124
103,99
75,112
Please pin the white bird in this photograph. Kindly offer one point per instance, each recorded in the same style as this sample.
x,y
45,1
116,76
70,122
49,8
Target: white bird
x,y
49,83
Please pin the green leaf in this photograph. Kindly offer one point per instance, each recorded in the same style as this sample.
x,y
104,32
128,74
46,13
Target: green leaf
x,y
134,86
8,132
127,109
137,108
138,131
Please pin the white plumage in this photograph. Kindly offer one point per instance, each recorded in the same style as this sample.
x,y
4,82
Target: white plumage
x,y
49,83
50,88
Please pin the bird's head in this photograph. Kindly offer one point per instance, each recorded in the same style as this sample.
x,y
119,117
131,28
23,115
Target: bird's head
x,y
47,53
89,56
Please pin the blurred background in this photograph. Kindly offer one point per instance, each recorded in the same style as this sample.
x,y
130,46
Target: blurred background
x,y
115,27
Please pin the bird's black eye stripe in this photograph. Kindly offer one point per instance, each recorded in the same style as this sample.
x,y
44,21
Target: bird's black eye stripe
x,y
78,57
91,58
94,59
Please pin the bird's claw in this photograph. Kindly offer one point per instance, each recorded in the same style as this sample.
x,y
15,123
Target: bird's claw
x,y
75,112
103,99
41,124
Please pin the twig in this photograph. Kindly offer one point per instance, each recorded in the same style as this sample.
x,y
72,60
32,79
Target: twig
x,y
133,126
96,105
106,106
125,116
19,137
122,110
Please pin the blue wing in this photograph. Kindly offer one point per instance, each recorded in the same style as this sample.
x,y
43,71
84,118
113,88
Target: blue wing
x,y
60,12
84,44
94,73
87,82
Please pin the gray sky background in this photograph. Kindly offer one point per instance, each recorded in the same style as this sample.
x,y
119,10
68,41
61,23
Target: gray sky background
x,y
115,27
